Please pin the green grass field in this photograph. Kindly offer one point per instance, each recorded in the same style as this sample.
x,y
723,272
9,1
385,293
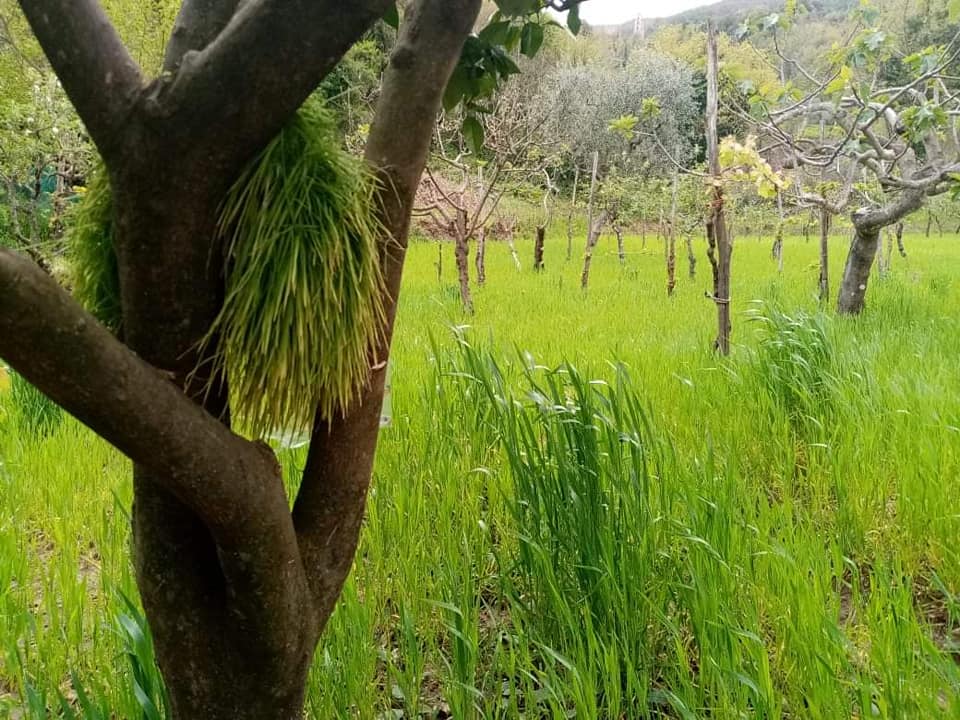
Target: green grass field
x,y
649,532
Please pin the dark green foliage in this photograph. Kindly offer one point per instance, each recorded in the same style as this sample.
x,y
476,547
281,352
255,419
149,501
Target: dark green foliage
x,y
93,263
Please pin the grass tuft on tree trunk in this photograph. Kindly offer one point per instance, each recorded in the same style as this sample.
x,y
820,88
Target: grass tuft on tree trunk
x,y
303,304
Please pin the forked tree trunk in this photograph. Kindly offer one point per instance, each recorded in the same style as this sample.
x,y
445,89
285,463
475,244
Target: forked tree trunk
x,y
538,248
824,254
461,253
720,245
573,207
481,260
592,239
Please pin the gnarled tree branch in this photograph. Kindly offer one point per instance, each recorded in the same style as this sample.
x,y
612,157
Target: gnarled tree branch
x,y
238,91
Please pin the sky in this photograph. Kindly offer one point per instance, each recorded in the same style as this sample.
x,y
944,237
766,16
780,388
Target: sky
x,y
606,12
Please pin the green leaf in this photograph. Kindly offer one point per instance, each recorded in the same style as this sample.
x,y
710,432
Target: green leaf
x,y
496,33
392,16
518,8
532,39
458,86
473,133
573,19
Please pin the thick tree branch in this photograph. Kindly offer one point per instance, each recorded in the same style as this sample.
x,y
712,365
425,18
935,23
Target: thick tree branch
x,y
238,91
57,346
232,485
198,24
101,79
329,509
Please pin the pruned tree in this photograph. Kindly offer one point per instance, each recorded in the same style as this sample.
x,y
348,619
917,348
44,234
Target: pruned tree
x,y
237,587
900,128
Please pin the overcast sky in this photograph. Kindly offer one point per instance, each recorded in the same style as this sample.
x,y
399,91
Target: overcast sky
x,y
605,12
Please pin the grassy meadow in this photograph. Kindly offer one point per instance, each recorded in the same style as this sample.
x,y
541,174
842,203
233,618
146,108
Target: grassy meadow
x,y
578,510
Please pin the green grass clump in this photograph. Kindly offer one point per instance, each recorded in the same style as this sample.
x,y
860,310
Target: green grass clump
x,y
34,412
303,301
303,306
92,261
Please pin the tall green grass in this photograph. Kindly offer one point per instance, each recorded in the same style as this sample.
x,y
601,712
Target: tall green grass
x,y
579,511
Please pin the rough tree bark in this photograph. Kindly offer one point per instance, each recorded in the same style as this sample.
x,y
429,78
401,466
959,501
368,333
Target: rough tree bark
x,y
867,225
236,587
461,253
538,249
900,248
720,246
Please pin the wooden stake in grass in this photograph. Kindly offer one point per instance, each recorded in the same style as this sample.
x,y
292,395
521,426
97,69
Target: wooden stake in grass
x,y
672,238
720,247
593,229
824,253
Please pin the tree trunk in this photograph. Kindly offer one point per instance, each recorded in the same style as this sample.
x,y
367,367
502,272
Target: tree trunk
x,y
720,244
900,248
671,262
592,239
778,239
439,263
593,191
480,259
691,258
573,207
929,223
672,239
538,249
621,251
824,254
643,230
461,253
856,273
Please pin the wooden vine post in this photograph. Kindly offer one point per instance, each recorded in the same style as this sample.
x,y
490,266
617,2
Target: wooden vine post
x,y
720,248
